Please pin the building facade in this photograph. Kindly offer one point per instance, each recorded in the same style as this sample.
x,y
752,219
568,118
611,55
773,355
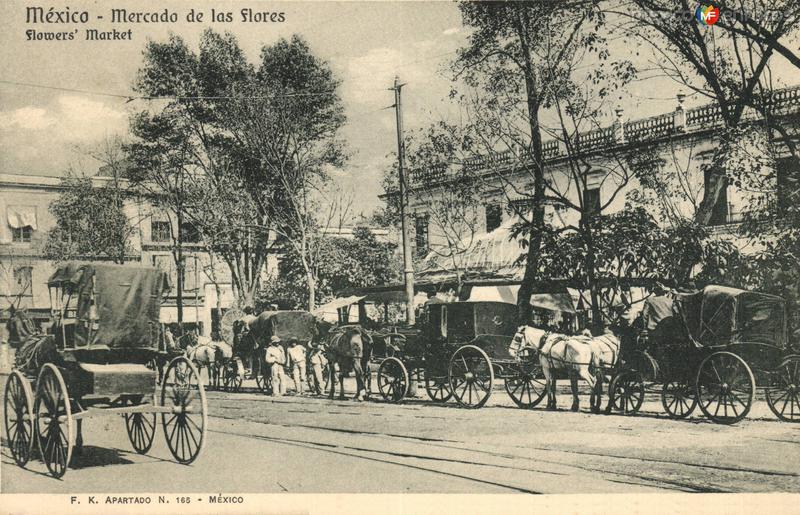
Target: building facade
x,y
26,220
684,140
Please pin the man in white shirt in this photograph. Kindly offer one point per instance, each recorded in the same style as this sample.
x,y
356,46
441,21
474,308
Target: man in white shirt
x,y
318,362
276,359
297,360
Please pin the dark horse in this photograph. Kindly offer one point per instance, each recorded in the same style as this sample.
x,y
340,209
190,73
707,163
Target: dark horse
x,y
348,347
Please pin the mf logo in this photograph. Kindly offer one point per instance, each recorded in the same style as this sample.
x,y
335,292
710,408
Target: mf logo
x,y
707,14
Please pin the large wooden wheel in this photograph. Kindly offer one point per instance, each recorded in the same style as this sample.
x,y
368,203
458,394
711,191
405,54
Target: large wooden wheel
x,y
141,429
18,411
678,398
528,388
726,388
263,383
471,376
185,427
393,380
231,378
626,392
783,395
53,420
437,384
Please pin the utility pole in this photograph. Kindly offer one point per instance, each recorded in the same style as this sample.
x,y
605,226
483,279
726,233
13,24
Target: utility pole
x,y
408,267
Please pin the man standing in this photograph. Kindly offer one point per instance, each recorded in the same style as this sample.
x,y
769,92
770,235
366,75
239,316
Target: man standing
x,y
276,359
317,359
297,358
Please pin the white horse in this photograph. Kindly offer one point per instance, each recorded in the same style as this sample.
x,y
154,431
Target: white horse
x,y
210,354
578,355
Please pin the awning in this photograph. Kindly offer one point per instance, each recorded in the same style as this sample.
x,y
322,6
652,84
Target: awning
x,y
500,293
22,216
553,301
334,305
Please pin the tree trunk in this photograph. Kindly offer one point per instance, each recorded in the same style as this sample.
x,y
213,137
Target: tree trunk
x,y
312,286
533,255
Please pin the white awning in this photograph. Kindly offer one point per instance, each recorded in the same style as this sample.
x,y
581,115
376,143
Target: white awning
x,y
334,305
22,216
495,293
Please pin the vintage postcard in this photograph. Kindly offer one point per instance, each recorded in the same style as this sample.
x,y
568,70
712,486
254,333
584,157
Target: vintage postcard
x,y
399,256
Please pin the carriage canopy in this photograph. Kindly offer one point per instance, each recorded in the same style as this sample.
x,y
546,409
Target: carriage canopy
x,y
719,315
115,306
285,325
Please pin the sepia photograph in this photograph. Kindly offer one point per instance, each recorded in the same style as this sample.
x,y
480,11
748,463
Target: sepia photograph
x,y
271,256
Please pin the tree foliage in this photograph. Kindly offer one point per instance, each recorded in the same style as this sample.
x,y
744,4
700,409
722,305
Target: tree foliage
x,y
90,222
344,264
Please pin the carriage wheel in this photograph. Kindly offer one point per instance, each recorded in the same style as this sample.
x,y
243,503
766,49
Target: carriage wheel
x,y
725,388
53,420
678,398
626,392
528,388
471,376
263,383
393,380
231,379
185,427
783,396
437,386
141,430
18,410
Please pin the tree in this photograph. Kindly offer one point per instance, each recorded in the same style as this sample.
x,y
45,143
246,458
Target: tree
x,y
728,62
91,223
513,65
345,264
292,132
235,149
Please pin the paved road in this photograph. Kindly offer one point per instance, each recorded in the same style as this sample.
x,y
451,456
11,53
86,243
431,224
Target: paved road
x,y
304,444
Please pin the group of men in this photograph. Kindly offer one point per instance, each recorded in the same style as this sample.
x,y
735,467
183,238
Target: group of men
x,y
294,358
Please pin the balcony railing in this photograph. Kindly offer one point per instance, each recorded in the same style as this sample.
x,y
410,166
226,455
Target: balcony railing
x,y
656,127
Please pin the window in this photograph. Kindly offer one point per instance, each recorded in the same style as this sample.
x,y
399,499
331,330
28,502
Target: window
x,y
22,234
23,280
591,202
494,217
22,221
160,232
189,233
719,215
788,186
421,232
520,207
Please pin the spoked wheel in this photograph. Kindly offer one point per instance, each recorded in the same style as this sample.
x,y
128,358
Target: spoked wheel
x,y
528,388
471,376
18,410
231,379
185,427
141,430
53,420
725,388
678,398
437,385
783,396
263,383
627,392
393,380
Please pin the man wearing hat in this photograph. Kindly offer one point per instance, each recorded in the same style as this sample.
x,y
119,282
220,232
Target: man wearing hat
x,y
316,357
276,359
297,358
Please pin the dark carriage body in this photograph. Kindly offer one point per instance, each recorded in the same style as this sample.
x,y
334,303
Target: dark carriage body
x,y
487,324
105,329
285,325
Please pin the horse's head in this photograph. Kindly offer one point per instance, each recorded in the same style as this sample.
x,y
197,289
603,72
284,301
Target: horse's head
x,y
526,337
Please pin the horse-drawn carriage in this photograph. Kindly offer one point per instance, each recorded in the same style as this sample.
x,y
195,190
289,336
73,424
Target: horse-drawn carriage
x,y
460,350
250,338
93,362
714,345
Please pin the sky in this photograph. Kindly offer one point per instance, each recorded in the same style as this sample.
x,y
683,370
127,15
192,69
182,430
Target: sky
x,y
45,131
